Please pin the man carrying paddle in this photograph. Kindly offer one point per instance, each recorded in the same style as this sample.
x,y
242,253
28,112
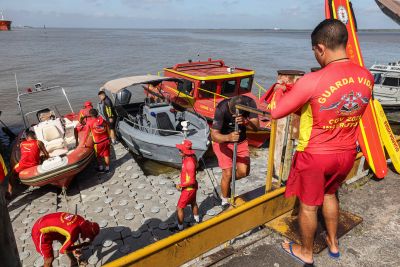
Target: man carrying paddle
x,y
331,102
224,136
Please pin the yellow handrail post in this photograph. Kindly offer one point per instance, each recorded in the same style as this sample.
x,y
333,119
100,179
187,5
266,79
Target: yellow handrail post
x,y
270,167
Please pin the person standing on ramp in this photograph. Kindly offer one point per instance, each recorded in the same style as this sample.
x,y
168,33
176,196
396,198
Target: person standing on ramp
x,y
331,102
224,136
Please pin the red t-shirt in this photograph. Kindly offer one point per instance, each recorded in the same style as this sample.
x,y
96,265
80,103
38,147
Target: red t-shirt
x,y
84,112
332,101
99,129
188,173
61,226
30,153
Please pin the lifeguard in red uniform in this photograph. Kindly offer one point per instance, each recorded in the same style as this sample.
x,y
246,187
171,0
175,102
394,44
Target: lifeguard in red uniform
x,y
65,228
84,113
99,130
188,185
30,148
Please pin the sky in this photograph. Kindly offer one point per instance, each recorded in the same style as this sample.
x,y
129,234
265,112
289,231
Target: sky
x,y
214,14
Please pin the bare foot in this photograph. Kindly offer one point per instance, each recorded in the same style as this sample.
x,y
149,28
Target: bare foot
x,y
297,252
333,246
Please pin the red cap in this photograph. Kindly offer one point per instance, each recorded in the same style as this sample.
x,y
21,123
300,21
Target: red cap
x,y
90,229
185,147
88,104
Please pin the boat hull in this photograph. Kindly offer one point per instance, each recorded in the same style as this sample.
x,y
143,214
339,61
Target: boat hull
x,y
5,25
164,151
61,177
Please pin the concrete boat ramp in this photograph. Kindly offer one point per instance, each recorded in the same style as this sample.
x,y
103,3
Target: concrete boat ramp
x,y
132,209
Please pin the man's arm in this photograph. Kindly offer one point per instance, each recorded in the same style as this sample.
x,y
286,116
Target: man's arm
x,y
287,102
218,137
43,149
216,128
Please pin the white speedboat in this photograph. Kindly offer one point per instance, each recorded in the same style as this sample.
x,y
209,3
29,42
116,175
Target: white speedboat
x,y
387,84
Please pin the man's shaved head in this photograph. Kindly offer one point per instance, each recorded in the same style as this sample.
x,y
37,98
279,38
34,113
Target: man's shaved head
x,y
331,33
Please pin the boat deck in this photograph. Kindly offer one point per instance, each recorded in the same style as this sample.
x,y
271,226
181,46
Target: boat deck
x,y
133,209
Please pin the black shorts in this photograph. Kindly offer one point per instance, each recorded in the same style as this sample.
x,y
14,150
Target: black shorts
x,y
111,124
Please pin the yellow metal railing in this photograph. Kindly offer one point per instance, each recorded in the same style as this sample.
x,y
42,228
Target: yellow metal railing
x,y
214,94
261,89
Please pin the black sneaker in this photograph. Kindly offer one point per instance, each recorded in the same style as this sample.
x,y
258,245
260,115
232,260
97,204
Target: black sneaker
x,y
100,170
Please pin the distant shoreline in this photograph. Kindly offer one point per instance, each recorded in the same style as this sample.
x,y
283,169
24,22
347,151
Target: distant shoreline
x,y
194,29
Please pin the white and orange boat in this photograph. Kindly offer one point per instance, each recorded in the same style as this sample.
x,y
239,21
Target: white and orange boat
x,y
205,84
56,127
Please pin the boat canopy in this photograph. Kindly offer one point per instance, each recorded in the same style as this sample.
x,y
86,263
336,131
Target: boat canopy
x,y
114,86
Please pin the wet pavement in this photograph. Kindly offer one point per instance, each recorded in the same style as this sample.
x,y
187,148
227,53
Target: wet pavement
x,y
132,209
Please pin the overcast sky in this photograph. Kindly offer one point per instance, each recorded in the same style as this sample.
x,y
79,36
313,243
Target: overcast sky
x,y
255,14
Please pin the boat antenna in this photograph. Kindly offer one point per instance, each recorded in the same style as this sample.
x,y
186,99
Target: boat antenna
x,y
2,17
19,101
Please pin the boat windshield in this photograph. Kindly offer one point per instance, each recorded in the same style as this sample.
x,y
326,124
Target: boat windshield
x,y
52,101
207,89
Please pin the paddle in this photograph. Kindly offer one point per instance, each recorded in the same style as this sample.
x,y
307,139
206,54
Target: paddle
x,y
234,160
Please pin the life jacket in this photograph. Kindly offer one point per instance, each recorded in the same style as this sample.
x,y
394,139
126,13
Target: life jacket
x,y
30,153
99,129
60,223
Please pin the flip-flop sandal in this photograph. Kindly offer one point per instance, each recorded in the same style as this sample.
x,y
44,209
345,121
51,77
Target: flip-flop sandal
x,y
336,255
306,264
333,255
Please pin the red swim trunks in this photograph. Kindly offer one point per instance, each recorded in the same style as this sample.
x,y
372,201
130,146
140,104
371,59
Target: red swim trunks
x,y
224,153
187,197
102,149
44,242
314,175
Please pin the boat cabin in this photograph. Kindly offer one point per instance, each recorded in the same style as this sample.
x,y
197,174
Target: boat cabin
x,y
206,83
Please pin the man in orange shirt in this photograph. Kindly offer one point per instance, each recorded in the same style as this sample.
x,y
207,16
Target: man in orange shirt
x,y
99,129
66,228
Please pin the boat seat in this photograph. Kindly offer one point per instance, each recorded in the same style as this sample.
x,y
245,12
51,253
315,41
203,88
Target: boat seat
x,y
51,133
164,123
69,136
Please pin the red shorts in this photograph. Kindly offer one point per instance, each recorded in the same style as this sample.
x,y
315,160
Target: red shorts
x,y
224,153
102,149
44,242
187,197
314,175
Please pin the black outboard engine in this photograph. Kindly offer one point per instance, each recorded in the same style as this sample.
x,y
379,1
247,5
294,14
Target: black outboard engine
x,y
123,97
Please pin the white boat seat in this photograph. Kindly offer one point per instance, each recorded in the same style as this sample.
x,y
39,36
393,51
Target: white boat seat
x,y
51,133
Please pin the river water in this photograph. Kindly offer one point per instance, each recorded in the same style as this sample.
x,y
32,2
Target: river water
x,y
81,60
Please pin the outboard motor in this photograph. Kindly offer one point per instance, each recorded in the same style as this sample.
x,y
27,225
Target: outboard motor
x,y
123,97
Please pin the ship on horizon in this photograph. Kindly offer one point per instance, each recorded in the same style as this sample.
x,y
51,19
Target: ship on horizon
x,y
391,8
5,25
